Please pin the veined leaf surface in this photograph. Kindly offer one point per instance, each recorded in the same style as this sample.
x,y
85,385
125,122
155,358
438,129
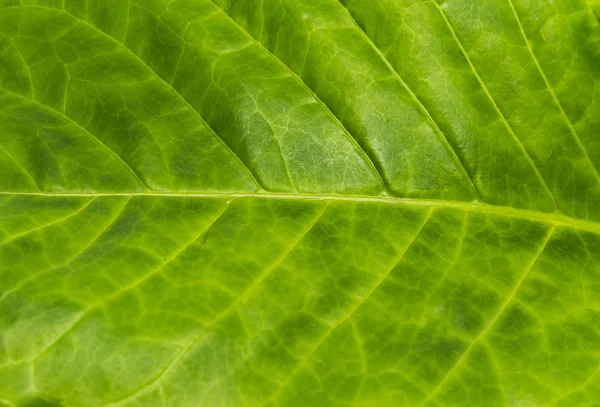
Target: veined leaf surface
x,y
299,203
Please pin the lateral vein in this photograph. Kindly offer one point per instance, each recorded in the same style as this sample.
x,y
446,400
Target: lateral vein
x,y
486,328
46,225
86,131
417,101
350,312
496,107
165,82
94,306
553,94
370,160
233,306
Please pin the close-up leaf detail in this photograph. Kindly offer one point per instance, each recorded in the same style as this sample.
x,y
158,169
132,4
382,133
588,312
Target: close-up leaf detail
x,y
303,203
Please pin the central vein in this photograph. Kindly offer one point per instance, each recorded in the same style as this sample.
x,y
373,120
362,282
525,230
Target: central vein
x,y
555,218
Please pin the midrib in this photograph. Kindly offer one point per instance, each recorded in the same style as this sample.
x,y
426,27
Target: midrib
x,y
557,219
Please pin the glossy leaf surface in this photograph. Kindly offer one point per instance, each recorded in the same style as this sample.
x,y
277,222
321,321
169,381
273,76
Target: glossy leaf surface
x,y
299,203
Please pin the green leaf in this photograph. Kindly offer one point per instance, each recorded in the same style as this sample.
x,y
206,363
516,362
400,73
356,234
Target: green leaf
x,y
270,203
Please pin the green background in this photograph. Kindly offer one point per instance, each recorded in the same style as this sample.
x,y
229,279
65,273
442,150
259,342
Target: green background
x,y
244,203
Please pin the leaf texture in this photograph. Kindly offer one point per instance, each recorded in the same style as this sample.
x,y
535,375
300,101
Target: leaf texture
x,y
270,203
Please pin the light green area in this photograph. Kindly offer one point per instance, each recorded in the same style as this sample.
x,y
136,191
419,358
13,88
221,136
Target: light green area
x,y
264,203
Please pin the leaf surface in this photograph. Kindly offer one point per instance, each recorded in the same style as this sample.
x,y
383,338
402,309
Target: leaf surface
x,y
299,203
